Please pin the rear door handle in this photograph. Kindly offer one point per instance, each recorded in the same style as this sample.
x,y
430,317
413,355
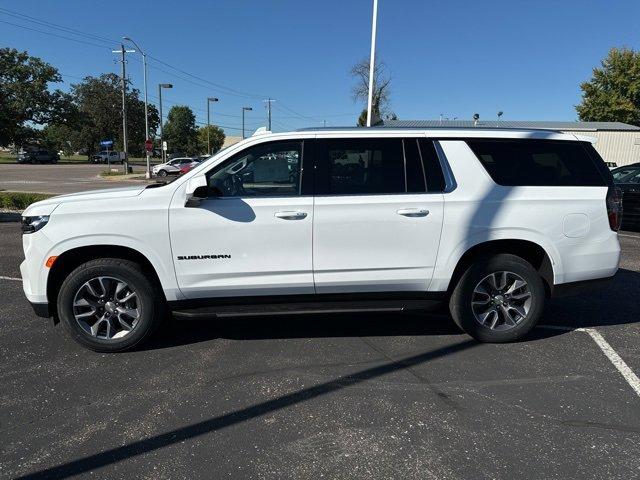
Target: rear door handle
x,y
413,212
291,215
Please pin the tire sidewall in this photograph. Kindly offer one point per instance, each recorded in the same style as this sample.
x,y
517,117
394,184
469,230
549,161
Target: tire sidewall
x,y
126,271
460,303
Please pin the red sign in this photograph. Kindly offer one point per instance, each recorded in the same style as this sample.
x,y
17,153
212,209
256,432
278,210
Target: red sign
x,y
148,145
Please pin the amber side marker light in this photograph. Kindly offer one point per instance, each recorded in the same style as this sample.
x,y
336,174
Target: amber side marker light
x,y
50,261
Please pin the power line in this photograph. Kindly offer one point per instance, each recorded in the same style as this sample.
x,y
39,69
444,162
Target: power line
x,y
55,35
45,23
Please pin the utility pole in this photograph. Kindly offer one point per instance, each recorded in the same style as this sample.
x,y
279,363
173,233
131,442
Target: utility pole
x,y
123,52
146,102
209,100
160,87
244,109
268,102
372,60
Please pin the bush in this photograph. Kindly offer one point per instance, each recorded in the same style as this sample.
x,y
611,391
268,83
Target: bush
x,y
19,200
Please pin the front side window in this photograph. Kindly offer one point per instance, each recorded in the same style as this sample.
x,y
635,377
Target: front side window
x,y
271,169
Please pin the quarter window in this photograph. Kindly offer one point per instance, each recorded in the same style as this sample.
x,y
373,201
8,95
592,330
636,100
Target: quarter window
x,y
271,169
538,162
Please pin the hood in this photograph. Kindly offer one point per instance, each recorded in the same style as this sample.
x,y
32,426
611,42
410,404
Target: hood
x,y
45,207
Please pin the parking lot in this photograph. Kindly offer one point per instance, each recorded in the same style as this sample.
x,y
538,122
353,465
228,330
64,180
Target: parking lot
x,y
56,179
326,396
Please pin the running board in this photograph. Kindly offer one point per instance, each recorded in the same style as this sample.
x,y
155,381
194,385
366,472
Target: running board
x,y
294,308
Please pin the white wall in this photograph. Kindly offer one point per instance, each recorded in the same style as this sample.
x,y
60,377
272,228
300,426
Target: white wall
x,y
620,147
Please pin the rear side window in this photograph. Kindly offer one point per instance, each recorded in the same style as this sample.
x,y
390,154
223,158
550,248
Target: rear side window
x,y
360,166
538,162
433,169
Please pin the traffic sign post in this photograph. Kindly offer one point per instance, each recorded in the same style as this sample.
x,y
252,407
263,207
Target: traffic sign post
x,y
107,144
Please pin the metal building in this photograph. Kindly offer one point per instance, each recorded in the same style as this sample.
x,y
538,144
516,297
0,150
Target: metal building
x,y
617,142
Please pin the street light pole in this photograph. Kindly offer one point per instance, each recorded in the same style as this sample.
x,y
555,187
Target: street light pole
x,y
372,61
209,100
244,109
160,87
146,101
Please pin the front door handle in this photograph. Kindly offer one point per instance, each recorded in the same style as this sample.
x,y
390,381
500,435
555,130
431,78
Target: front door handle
x,y
413,212
291,215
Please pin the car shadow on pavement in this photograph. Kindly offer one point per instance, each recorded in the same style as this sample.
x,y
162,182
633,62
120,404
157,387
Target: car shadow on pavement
x,y
615,305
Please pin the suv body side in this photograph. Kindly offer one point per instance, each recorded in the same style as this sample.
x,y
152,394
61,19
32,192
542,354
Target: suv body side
x,y
569,224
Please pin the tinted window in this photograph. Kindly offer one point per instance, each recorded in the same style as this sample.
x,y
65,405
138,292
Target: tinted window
x,y
538,162
413,167
433,169
271,169
621,175
360,166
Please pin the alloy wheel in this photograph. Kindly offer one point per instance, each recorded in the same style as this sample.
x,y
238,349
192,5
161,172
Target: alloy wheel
x,y
501,300
106,308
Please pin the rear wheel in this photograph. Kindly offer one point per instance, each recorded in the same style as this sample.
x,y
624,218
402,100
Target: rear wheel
x,y
498,299
109,305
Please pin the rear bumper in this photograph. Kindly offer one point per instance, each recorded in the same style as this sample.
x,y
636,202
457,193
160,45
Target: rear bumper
x,y
41,309
582,287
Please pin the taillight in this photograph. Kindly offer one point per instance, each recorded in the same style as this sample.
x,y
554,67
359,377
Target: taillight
x,y
614,208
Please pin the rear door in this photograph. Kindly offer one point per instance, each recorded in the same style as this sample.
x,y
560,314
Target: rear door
x,y
376,226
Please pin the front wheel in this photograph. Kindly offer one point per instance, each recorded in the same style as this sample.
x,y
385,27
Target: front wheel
x,y
110,305
162,173
498,299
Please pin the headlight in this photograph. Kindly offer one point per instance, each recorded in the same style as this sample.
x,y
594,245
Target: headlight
x,y
33,224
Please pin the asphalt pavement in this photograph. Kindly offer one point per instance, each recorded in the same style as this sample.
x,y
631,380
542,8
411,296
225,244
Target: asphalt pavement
x,y
56,179
325,396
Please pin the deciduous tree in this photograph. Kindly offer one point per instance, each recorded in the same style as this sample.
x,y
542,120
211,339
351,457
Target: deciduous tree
x,y
613,93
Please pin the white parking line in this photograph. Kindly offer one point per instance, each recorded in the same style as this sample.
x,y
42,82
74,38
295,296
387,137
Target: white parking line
x,y
617,361
13,279
627,235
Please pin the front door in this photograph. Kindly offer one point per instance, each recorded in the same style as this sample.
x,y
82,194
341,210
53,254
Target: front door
x,y
253,235
376,225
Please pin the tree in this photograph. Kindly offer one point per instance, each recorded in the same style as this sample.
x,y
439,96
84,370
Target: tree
x,y
216,138
99,103
613,93
381,83
25,98
58,136
181,132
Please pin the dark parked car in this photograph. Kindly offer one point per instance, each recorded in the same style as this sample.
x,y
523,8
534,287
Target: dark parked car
x,y
38,156
628,179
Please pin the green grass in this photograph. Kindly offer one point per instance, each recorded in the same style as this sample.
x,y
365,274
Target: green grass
x,y
20,200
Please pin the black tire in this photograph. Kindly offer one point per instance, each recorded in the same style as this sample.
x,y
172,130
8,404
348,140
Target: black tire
x,y
162,173
460,304
150,302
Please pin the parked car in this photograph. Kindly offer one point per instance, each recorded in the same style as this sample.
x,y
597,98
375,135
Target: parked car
x,y
38,156
490,221
106,157
628,179
188,166
172,167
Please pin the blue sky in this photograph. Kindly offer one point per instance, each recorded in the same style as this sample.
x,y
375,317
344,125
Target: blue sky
x,y
455,57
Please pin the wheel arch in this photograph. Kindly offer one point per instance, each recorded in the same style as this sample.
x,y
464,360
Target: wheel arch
x,y
530,251
69,260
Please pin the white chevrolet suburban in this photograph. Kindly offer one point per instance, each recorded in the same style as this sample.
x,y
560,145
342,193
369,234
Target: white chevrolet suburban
x,y
492,221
